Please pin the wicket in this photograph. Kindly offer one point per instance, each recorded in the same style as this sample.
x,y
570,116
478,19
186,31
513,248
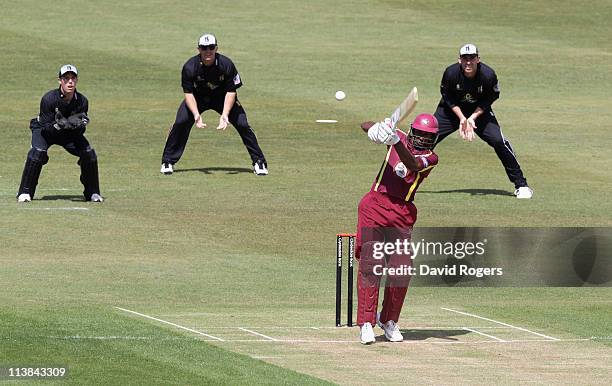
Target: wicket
x,y
351,257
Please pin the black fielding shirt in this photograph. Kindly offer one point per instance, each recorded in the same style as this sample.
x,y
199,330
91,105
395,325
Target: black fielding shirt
x,y
210,82
52,101
468,94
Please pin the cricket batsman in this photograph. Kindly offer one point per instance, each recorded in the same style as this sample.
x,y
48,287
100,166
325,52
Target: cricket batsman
x,y
386,215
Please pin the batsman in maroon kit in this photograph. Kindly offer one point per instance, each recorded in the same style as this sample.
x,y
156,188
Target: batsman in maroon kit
x,y
387,214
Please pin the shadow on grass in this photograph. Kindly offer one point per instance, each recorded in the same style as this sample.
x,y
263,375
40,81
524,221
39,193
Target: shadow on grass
x,y
64,197
214,170
437,334
473,192
414,335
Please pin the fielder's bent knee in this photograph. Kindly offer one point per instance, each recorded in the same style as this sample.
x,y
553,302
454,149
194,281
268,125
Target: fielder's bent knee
x,y
88,156
38,155
494,142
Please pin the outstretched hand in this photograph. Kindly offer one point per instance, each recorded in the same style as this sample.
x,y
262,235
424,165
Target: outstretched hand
x,y
466,129
223,121
199,123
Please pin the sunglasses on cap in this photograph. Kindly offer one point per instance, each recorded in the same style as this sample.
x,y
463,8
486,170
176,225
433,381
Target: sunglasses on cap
x,y
208,47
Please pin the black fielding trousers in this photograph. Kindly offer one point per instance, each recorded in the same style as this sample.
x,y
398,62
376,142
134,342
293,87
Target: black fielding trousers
x,y
179,133
75,143
487,128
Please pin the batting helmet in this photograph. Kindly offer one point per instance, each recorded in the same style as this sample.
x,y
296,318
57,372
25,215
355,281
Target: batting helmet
x,y
424,132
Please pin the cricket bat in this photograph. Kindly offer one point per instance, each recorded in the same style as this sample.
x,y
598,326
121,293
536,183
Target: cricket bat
x,y
401,112
405,108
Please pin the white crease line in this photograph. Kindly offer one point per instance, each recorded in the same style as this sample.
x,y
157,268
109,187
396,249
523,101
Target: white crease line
x,y
321,341
418,342
102,337
170,323
543,340
245,340
502,323
274,327
340,328
256,333
483,334
58,208
67,189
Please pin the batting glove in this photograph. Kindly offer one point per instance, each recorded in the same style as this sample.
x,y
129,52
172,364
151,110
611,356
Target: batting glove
x,y
374,134
391,136
382,132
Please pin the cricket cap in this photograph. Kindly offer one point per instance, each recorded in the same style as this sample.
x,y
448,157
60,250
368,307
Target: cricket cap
x,y
67,68
207,39
468,49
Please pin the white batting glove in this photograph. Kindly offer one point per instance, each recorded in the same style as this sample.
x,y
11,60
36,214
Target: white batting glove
x,y
382,132
391,136
374,134
392,139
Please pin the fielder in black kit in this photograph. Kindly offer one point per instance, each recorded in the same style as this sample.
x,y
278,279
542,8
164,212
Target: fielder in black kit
x,y
209,82
62,121
468,90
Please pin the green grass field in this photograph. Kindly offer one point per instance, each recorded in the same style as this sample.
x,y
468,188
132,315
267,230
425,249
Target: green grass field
x,y
246,263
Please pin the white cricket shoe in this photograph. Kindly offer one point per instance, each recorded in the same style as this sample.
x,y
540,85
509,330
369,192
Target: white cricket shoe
x,y
166,168
24,197
260,168
367,334
392,332
524,192
96,198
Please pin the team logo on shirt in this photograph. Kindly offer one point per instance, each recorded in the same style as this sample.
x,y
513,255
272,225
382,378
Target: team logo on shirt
x,y
468,98
237,79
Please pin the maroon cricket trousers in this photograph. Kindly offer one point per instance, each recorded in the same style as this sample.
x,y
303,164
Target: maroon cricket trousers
x,y
382,219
